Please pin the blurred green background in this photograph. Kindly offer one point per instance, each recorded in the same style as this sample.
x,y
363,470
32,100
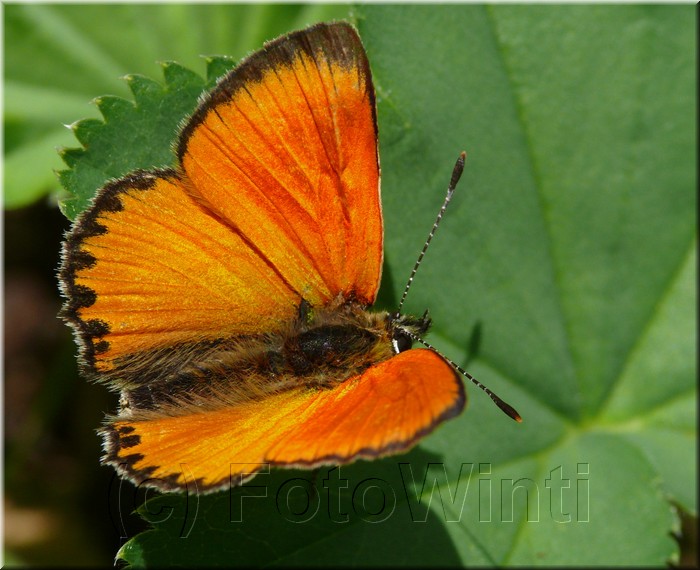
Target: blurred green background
x,y
600,144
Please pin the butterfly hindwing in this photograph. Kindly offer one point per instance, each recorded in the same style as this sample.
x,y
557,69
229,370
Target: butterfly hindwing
x,y
382,411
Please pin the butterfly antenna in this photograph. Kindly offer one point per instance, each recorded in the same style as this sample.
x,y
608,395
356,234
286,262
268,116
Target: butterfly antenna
x,y
456,174
505,407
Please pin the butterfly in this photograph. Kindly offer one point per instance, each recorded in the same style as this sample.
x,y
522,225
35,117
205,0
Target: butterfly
x,y
226,299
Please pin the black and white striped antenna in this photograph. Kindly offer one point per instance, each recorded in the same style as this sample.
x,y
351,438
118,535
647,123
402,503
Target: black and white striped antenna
x,y
456,175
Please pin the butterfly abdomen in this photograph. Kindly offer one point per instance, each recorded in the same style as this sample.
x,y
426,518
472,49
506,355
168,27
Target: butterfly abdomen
x,y
320,350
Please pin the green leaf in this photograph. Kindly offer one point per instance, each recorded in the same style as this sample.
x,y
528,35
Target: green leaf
x,y
571,245
132,135
350,514
563,272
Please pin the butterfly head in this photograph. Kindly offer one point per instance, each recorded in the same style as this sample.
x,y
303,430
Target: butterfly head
x,y
406,329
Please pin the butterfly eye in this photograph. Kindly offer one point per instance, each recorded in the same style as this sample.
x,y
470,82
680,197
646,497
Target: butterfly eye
x,y
401,341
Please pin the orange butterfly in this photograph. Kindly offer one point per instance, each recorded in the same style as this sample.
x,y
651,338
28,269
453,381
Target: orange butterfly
x,y
226,299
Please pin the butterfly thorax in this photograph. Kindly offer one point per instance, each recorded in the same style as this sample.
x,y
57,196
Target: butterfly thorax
x,y
319,349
